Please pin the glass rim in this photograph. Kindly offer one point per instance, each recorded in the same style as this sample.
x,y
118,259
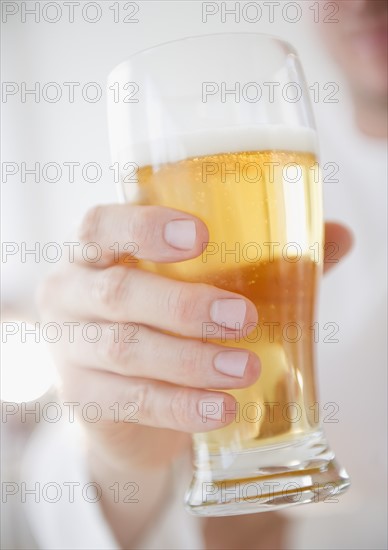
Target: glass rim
x,y
271,37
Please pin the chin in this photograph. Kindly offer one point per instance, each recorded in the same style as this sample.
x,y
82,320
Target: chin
x,y
375,89
370,81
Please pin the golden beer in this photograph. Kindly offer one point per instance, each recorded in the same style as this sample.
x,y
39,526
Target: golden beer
x,y
223,129
263,212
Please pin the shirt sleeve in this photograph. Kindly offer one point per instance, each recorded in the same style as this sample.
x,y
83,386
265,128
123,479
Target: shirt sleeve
x,y
63,505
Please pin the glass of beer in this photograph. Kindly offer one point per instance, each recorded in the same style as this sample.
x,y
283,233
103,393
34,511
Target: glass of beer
x,y
221,126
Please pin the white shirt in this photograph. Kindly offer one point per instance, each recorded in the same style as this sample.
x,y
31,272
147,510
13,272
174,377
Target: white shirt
x,y
74,521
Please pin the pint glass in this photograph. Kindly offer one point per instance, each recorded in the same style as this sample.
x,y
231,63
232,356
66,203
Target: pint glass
x,y
220,126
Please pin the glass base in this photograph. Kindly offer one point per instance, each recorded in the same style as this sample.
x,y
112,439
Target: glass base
x,y
266,478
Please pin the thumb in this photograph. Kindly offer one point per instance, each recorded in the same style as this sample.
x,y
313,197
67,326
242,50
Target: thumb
x,y
338,242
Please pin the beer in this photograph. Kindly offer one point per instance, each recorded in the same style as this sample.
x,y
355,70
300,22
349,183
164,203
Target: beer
x,y
231,141
263,210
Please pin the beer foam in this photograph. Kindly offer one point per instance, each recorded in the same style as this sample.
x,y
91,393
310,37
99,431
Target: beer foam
x,y
232,139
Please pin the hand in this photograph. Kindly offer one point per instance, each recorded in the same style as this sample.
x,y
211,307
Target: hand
x,y
163,376
159,380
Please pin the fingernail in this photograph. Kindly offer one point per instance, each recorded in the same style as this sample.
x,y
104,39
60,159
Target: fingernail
x,y
230,312
211,409
232,363
180,234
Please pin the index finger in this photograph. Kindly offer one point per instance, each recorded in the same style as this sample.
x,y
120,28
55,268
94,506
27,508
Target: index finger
x,y
153,233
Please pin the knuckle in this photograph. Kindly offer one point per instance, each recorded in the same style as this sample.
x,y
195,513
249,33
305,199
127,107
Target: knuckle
x,y
111,286
183,409
140,395
180,304
115,348
90,225
192,358
142,226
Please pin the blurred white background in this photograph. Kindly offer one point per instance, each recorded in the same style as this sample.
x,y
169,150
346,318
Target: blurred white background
x,y
352,372
77,132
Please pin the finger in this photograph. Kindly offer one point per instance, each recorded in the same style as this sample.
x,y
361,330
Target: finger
x,y
132,350
102,396
123,233
121,294
338,242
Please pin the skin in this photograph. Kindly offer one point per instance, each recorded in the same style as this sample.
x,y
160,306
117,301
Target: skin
x,y
166,375
358,43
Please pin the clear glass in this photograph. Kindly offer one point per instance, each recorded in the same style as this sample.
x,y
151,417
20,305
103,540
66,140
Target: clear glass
x,y
221,126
